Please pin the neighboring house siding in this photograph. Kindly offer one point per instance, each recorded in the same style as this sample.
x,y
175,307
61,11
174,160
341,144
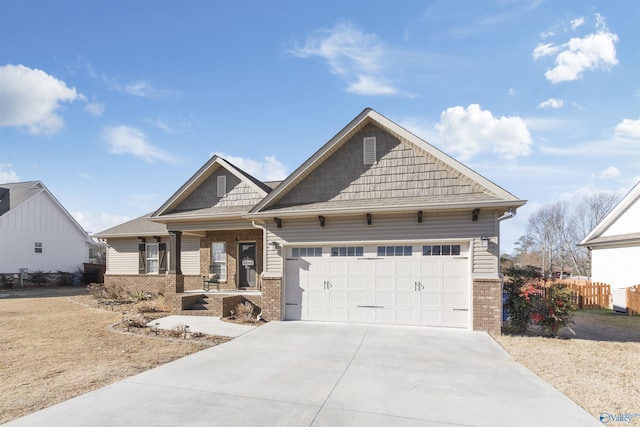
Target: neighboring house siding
x,y
627,222
617,267
123,257
238,193
444,226
40,219
400,172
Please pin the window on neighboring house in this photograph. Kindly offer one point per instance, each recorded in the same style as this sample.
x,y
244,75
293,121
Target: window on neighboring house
x,y
219,260
369,150
222,186
395,250
38,247
153,258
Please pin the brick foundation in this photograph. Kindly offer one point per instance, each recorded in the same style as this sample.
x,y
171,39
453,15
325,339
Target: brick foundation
x,y
487,305
272,298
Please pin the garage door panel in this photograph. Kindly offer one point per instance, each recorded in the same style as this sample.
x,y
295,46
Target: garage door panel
x,y
414,288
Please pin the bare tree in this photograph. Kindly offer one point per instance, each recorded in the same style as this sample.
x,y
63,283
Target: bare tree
x,y
554,231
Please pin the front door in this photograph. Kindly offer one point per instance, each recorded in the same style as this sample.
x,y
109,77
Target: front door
x,y
247,267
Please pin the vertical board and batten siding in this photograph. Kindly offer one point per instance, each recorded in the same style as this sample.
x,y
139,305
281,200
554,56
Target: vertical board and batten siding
x,y
387,228
122,255
40,219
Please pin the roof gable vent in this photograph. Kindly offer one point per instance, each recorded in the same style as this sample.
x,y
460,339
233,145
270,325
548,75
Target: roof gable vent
x,y
222,185
369,150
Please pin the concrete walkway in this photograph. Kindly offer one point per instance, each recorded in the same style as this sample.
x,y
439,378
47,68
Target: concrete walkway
x,y
204,324
321,374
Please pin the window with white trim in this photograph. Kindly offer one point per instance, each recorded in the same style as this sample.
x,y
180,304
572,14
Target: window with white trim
x,y
222,186
347,251
153,258
219,260
404,250
441,250
369,150
38,247
306,252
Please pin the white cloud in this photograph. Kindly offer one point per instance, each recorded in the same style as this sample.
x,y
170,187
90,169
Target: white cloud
x,y
472,130
610,172
95,108
575,23
269,169
6,174
512,92
353,54
628,129
31,98
591,52
551,103
129,140
95,223
545,50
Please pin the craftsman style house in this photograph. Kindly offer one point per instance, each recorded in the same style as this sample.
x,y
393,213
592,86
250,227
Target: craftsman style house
x,y
378,226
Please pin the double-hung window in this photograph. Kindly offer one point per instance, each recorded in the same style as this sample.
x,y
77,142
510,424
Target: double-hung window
x,y
219,260
153,258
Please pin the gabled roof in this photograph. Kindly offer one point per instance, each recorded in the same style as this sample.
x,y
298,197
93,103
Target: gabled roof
x,y
598,236
138,227
167,210
19,192
488,194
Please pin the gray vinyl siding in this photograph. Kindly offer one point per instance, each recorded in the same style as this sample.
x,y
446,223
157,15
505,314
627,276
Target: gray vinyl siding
x,y
401,171
441,226
238,193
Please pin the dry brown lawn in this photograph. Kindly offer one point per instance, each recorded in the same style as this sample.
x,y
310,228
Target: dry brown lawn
x,y
53,349
599,367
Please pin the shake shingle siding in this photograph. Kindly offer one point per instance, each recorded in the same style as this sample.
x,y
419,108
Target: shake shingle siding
x,y
400,172
238,193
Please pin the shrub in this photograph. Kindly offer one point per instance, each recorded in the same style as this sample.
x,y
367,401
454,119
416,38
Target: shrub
x,y
178,331
6,281
40,278
555,309
64,278
101,291
244,310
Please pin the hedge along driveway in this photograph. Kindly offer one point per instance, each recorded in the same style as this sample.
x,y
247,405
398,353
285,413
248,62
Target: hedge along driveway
x,y
305,373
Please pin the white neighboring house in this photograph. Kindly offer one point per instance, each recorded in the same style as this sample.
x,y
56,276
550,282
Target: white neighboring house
x,y
615,244
37,232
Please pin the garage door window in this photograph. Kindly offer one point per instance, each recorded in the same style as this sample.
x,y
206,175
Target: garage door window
x,y
395,250
306,252
441,250
347,251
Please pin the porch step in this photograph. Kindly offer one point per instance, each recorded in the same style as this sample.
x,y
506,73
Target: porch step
x,y
202,303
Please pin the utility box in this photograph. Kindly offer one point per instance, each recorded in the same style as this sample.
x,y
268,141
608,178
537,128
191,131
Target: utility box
x,y
619,300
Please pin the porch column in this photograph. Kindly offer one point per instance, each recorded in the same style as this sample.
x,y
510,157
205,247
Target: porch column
x,y
175,251
175,277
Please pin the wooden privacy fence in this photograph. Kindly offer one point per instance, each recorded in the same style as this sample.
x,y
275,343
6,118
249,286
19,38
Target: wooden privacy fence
x,y
633,300
590,294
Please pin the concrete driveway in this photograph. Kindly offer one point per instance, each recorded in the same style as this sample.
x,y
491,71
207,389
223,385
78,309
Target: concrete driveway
x,y
327,374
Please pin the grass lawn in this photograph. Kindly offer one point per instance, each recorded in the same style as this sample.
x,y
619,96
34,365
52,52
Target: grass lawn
x,y
53,350
599,367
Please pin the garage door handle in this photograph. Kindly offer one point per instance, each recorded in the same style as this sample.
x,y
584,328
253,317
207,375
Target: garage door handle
x,y
460,309
370,306
291,303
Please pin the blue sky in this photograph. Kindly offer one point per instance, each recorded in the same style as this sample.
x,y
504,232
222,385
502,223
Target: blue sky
x,y
115,104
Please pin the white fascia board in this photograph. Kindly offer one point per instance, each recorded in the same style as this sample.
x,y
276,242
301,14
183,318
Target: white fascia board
x,y
617,210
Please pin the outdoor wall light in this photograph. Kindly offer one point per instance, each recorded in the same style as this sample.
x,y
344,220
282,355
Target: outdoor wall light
x,y
484,242
273,246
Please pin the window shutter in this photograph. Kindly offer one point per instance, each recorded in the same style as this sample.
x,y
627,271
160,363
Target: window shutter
x,y
162,261
222,186
369,150
142,259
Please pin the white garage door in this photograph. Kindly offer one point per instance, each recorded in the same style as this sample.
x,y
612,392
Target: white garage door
x,y
425,284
